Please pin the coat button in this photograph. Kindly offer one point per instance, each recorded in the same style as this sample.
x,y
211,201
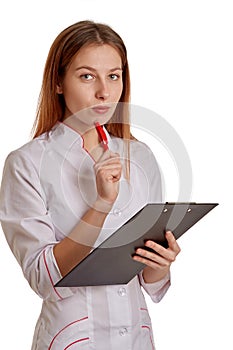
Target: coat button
x,y
122,292
123,331
117,212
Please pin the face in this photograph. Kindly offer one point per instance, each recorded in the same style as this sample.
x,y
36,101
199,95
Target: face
x,y
92,84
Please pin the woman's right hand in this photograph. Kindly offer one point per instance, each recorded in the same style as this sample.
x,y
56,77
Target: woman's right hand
x,y
108,171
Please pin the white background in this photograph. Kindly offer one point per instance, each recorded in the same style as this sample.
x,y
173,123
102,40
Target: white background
x,y
180,54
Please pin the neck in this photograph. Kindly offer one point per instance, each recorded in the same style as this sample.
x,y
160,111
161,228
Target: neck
x,y
91,139
92,145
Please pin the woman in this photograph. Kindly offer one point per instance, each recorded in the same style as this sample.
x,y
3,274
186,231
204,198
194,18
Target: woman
x,y
65,192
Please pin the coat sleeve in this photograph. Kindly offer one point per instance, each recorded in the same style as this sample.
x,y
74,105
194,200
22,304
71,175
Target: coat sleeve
x,y
28,227
158,289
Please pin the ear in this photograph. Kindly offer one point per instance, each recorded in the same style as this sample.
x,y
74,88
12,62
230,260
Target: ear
x,y
59,89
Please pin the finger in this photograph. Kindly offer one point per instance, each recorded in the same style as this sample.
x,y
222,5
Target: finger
x,y
146,262
101,170
113,176
114,155
172,243
165,253
108,155
145,254
109,167
109,161
114,170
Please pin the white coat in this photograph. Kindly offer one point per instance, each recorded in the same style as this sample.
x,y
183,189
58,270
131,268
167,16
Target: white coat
x,y
46,188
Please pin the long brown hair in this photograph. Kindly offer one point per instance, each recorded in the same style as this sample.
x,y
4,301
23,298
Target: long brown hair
x,y
51,105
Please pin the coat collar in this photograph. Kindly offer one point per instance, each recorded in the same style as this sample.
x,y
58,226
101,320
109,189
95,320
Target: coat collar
x,y
68,135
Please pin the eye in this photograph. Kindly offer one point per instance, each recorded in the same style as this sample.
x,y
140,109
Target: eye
x,y
114,76
87,76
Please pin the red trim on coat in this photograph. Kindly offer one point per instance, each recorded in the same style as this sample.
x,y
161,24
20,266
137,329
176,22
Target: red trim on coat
x,y
147,327
50,277
74,342
70,324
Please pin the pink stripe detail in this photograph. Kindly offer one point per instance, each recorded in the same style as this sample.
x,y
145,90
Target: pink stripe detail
x,y
70,324
143,309
77,341
50,277
147,327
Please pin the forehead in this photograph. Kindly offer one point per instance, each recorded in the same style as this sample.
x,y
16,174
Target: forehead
x,y
98,55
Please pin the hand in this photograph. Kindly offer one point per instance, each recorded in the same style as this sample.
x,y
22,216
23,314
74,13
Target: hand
x,y
159,260
108,171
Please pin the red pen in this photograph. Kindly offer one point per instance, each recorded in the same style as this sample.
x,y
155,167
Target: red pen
x,y
102,135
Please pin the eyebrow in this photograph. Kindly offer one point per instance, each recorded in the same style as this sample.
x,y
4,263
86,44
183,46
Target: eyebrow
x,y
93,69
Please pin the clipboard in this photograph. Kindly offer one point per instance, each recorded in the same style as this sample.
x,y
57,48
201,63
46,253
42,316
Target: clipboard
x,y
111,262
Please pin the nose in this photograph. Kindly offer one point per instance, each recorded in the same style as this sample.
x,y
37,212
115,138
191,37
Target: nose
x,y
102,91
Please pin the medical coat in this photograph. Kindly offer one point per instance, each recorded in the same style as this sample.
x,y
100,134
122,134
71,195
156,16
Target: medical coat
x,y
47,186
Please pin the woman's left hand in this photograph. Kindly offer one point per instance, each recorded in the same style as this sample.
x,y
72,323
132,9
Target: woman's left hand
x,y
158,260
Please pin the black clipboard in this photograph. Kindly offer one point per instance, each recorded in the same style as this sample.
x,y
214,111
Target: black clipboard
x,y
111,262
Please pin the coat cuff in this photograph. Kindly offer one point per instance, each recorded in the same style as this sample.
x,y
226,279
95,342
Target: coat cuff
x,y
156,290
54,275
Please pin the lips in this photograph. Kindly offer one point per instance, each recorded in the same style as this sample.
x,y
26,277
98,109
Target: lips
x,y
100,109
